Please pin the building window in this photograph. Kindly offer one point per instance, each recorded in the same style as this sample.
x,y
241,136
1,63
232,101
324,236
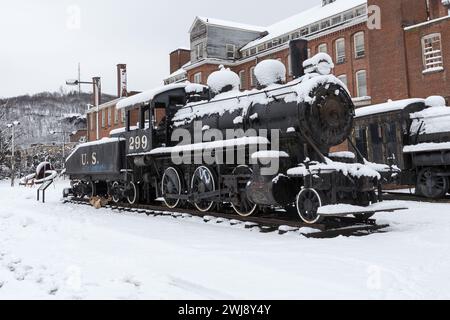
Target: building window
x,y
361,11
360,48
344,80
340,50
314,28
309,53
116,116
325,24
348,15
432,52
242,79
322,48
103,118
198,77
231,51
336,20
289,63
109,117
253,51
199,51
253,80
124,116
304,32
92,118
361,83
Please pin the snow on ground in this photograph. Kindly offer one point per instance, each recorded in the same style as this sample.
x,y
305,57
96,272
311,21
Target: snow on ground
x,y
57,251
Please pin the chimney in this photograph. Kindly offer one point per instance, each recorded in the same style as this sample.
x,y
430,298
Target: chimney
x,y
299,53
122,89
179,58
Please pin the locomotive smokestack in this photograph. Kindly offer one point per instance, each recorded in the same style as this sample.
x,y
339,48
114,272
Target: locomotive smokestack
x,y
122,90
299,53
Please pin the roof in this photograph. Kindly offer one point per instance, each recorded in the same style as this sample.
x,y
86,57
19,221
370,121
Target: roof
x,y
386,107
148,95
105,105
227,24
305,18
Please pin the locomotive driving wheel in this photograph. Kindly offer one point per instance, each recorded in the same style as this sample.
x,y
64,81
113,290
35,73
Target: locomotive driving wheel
x,y
308,204
132,193
243,207
171,185
203,182
431,185
115,192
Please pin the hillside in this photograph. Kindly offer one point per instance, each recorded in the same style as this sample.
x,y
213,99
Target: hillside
x,y
41,113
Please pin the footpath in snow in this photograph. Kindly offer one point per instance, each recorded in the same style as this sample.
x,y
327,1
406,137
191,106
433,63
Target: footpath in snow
x,y
64,251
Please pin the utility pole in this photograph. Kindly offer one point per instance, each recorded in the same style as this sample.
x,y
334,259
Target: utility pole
x,y
96,82
79,79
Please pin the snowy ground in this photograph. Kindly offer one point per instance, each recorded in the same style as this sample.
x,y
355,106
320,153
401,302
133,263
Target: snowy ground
x,y
56,251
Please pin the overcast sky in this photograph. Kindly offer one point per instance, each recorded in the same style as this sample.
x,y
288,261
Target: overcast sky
x,y
42,41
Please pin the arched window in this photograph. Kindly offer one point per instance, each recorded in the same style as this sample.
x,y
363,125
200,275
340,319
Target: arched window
x,y
242,79
361,83
340,50
253,80
360,47
322,48
432,52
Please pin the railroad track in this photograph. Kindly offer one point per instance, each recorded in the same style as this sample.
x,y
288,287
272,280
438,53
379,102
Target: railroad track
x,y
276,222
392,195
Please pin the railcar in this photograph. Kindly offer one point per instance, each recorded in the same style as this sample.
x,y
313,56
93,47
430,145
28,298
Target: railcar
x,y
412,135
278,137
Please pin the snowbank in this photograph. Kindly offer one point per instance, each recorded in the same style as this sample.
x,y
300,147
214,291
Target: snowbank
x,y
321,63
424,147
94,143
299,91
435,101
389,106
432,120
269,72
223,80
356,170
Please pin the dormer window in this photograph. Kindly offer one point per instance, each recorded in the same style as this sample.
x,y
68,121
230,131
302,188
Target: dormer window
x,y
231,51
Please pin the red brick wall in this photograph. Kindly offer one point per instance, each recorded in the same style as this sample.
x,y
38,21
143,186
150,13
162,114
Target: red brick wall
x,y
437,83
105,130
75,138
179,58
437,9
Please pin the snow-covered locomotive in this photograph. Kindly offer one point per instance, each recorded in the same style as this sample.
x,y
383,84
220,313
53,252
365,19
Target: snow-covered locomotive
x,y
277,137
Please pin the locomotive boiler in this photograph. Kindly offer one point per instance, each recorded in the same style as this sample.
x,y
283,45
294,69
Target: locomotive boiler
x,y
278,138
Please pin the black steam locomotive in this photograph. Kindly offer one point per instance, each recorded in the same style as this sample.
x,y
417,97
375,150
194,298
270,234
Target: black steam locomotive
x,y
278,139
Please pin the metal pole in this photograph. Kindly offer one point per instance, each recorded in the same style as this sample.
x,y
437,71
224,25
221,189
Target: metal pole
x,y
64,150
13,158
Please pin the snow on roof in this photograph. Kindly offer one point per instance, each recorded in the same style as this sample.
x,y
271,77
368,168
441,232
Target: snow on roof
x,y
228,24
180,71
306,18
424,147
94,143
148,95
386,107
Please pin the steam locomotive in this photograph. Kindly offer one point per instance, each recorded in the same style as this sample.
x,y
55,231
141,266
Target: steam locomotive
x,y
217,147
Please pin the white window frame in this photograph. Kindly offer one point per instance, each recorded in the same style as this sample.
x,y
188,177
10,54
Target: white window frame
x,y
199,51
230,48
359,53
358,84
253,80
321,46
340,58
124,115
432,59
198,78
116,115
103,118
109,117
242,79
343,76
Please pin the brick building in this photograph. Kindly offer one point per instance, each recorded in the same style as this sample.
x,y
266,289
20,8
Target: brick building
x,y
109,117
408,57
